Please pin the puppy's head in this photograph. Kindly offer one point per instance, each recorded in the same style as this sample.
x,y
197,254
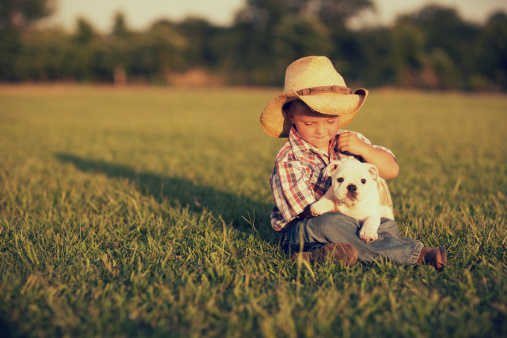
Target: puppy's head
x,y
351,179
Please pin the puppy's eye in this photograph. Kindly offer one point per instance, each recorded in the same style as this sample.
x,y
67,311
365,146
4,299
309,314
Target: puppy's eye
x,y
363,181
340,179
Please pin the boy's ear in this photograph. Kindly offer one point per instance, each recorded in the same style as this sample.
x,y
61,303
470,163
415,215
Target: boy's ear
x,y
289,115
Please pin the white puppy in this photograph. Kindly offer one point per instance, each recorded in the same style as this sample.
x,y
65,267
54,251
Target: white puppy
x,y
359,192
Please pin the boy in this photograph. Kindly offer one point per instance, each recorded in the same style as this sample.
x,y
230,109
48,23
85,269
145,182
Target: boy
x,y
314,106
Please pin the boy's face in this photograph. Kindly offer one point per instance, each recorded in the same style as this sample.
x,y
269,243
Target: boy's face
x,y
315,128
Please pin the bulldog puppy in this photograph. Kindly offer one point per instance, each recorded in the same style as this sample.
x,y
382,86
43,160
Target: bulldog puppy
x,y
359,192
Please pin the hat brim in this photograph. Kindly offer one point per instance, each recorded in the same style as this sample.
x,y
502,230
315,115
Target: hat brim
x,y
276,124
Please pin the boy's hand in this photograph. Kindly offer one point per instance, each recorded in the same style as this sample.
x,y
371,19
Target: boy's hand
x,y
385,162
350,142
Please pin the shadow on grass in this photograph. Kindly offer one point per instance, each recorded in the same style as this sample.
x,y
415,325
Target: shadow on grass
x,y
183,192
9,329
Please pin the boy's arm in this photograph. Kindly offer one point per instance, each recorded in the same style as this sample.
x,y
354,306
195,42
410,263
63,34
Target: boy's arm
x,y
385,162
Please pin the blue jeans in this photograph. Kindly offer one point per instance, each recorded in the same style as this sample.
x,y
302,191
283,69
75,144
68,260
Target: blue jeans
x,y
335,227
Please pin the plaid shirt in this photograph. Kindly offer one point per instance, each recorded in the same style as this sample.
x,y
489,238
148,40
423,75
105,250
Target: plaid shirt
x,y
297,180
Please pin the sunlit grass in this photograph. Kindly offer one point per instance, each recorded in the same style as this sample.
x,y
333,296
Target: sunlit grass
x,y
145,211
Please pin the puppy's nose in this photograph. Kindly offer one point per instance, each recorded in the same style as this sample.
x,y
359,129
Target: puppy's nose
x,y
351,188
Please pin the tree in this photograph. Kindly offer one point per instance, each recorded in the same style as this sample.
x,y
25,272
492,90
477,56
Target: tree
x,y
262,14
18,14
199,34
159,51
408,53
120,28
84,32
148,55
333,13
447,42
443,29
15,16
298,37
119,49
442,70
265,27
374,62
492,58
48,55
336,13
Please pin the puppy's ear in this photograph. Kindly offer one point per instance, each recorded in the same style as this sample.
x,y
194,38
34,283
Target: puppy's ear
x,y
373,171
331,168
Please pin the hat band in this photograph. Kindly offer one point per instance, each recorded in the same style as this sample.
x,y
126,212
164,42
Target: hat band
x,y
324,89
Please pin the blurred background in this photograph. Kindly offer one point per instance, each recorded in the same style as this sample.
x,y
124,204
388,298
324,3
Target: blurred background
x,y
445,45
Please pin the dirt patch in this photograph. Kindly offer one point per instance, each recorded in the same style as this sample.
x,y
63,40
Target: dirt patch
x,y
196,77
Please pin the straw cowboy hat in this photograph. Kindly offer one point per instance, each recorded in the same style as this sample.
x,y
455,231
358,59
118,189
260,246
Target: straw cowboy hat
x,y
315,81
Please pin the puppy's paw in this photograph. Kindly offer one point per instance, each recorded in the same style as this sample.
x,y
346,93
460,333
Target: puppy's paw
x,y
368,236
316,210
320,207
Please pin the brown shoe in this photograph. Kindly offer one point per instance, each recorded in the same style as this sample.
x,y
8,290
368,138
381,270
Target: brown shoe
x,y
436,257
336,251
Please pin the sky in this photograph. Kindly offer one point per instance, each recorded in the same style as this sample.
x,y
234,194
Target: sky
x,y
140,14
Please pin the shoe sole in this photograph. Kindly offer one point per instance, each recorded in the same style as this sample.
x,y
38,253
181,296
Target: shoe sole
x,y
443,256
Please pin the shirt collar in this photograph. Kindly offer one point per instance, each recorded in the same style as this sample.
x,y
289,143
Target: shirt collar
x,y
303,149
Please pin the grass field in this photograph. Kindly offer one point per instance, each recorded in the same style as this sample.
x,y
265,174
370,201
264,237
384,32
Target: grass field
x,y
145,212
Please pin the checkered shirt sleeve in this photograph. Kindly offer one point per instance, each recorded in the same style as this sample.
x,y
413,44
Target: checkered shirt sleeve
x,y
291,190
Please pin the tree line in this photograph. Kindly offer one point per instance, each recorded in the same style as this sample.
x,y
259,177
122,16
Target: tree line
x,y
430,48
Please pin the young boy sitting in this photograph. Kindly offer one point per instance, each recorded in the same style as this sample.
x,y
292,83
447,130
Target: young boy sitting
x,y
314,106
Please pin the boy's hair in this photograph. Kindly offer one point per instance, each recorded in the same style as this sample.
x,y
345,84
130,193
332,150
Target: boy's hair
x,y
294,105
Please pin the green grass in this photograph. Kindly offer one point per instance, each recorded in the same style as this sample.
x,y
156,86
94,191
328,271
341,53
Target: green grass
x,y
145,212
